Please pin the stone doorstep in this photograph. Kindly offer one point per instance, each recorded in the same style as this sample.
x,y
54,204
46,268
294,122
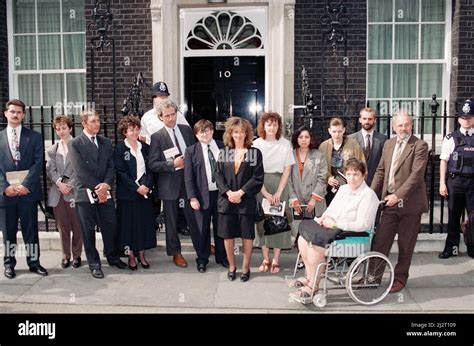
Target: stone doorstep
x,y
425,243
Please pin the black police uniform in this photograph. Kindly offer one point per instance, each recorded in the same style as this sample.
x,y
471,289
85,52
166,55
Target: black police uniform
x,y
460,183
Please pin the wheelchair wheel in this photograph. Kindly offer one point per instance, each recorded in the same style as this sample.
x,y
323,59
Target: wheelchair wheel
x,y
370,278
319,300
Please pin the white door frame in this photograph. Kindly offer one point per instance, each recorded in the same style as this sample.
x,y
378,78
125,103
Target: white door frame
x,y
279,51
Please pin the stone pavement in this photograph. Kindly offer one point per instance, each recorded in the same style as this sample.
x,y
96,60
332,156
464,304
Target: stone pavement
x,y
435,286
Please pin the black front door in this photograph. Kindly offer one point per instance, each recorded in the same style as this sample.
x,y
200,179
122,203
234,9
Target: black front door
x,y
219,87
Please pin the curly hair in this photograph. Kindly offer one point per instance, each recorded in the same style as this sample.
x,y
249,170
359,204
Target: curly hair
x,y
231,124
272,117
313,144
126,122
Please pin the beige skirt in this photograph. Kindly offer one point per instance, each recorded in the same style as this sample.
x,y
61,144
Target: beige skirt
x,y
280,240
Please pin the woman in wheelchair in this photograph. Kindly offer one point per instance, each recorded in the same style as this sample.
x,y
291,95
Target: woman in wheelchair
x,y
353,209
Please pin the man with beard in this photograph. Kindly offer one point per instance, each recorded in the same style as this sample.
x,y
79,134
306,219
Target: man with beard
x,y
369,140
400,180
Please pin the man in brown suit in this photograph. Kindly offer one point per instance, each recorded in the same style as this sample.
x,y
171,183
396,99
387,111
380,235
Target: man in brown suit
x,y
400,180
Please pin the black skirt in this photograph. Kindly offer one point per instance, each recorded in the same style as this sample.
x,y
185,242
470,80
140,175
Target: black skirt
x,y
136,225
318,235
233,226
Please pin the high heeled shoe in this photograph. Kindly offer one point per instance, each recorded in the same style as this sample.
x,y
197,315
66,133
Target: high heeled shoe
x,y
231,275
132,267
245,276
145,264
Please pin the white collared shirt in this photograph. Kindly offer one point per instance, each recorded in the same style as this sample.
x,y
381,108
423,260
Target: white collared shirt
x,y
448,144
62,148
179,136
215,151
10,137
141,167
371,136
90,137
354,211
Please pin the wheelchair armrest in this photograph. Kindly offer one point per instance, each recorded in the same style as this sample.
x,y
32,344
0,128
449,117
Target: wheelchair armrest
x,y
345,234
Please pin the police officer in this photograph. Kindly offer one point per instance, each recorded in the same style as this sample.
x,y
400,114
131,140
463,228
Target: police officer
x,y
150,123
457,160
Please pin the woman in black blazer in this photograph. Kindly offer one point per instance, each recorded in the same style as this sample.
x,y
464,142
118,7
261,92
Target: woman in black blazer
x,y
239,178
136,225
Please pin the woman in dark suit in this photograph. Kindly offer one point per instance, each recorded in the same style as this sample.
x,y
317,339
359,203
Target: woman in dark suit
x,y
239,178
134,203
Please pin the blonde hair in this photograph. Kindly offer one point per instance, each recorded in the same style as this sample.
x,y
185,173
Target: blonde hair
x,y
231,124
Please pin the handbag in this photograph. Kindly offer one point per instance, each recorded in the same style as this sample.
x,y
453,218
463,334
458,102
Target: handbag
x,y
276,224
259,215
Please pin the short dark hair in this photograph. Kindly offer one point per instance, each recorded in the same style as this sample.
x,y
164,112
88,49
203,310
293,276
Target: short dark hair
x,y
269,116
313,144
356,165
15,102
63,119
201,125
126,122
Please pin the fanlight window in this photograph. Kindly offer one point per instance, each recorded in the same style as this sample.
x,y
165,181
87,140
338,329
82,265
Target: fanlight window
x,y
224,30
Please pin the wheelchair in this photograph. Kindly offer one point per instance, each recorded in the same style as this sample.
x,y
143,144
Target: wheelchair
x,y
366,275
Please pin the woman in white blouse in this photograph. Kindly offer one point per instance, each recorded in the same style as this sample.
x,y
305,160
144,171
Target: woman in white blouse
x,y
353,209
278,157
135,221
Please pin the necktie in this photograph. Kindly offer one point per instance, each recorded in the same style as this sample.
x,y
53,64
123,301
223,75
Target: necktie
x,y
15,147
396,158
212,162
93,140
368,148
176,142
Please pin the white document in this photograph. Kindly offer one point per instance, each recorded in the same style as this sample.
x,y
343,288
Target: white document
x,y
93,198
16,178
268,209
171,154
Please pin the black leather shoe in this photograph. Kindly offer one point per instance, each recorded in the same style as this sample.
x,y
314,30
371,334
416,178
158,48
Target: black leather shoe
x,y
224,263
39,270
97,273
232,275
65,263
9,272
76,263
201,267
245,276
119,264
446,254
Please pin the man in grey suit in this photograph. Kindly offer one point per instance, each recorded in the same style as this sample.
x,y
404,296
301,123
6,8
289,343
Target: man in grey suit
x,y
21,149
369,140
92,161
167,161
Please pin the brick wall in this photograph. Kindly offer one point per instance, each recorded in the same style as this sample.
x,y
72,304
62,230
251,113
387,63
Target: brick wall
x,y
133,46
3,53
462,76
309,49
